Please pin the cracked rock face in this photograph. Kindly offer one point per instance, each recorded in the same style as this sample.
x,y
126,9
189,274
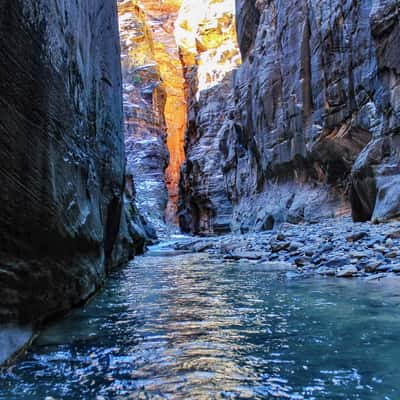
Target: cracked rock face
x,y
62,168
316,106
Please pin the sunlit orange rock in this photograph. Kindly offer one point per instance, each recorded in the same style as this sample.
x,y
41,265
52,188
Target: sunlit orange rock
x,y
160,17
144,95
157,45
187,50
206,35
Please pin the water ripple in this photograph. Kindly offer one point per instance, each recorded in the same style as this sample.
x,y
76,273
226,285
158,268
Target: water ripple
x,y
188,326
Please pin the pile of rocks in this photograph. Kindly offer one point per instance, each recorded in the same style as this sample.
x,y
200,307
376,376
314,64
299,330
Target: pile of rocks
x,y
334,247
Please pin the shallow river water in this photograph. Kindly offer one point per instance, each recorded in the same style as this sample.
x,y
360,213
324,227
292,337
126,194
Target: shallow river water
x,y
190,326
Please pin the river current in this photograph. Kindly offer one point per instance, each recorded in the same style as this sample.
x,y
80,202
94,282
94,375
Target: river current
x,y
191,326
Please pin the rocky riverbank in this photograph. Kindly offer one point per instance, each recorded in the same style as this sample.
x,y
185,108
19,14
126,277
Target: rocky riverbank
x,y
333,247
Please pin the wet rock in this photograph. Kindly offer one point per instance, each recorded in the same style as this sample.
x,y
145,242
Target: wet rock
x,y
388,242
358,254
372,265
309,252
380,249
280,236
383,268
347,271
393,235
392,254
338,255
395,268
336,262
249,255
301,261
295,246
326,271
276,247
355,237
201,247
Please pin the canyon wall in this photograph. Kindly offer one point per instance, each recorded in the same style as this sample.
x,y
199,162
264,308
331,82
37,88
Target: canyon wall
x,y
154,106
145,129
315,114
206,35
62,162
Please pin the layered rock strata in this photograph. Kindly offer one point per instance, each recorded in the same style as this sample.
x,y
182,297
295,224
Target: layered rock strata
x,y
62,163
206,35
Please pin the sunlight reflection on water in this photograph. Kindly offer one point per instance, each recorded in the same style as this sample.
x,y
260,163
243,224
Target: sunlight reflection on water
x,y
189,326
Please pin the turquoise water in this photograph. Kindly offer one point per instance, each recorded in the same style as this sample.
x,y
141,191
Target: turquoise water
x,y
188,326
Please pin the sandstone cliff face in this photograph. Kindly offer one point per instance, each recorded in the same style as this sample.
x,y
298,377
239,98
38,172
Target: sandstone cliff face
x,y
154,105
62,223
315,114
145,129
206,35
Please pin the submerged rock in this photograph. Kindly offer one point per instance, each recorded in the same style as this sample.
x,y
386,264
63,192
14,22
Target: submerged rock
x,y
276,266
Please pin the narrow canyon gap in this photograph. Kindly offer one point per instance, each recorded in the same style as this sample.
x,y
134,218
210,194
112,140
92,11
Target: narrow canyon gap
x,y
178,56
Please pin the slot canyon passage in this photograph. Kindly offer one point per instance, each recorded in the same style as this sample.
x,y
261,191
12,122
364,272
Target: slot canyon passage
x,y
220,178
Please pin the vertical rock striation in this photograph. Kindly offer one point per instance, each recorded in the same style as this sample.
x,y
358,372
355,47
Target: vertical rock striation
x,y
315,115
155,110
317,85
206,35
62,168
145,128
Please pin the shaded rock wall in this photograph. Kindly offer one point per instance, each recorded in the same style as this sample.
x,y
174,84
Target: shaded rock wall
x,y
315,113
62,168
312,92
206,35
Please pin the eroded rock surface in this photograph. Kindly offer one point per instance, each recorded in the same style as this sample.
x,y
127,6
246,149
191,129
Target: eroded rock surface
x,y
206,34
312,93
145,128
62,162
316,114
154,105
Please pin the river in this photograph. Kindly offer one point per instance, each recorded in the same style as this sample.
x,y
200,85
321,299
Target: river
x,y
192,326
